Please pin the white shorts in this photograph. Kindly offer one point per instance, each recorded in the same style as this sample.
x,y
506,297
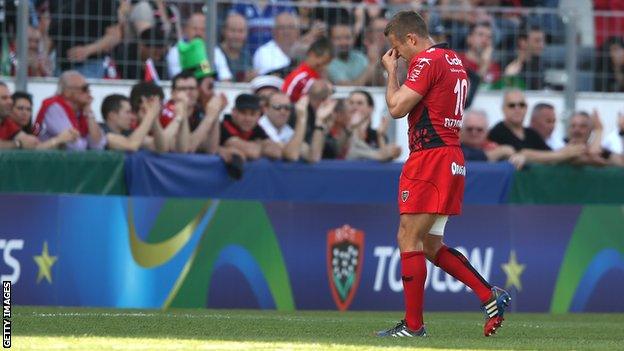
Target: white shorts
x,y
438,226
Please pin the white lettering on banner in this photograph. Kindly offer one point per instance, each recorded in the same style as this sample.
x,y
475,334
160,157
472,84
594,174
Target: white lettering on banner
x,y
437,279
383,252
394,272
7,246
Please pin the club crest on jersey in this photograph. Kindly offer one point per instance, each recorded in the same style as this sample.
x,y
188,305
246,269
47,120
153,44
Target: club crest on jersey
x,y
404,195
345,257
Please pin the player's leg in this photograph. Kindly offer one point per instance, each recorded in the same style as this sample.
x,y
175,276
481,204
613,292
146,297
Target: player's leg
x,y
493,300
412,230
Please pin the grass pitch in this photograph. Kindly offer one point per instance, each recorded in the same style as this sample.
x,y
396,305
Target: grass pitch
x,y
39,328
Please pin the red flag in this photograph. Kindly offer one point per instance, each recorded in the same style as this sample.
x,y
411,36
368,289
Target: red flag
x,y
151,75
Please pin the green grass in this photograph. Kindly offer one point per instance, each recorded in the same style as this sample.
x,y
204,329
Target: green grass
x,y
43,328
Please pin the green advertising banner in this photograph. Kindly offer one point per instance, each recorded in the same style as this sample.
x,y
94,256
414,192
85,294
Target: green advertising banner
x,y
58,171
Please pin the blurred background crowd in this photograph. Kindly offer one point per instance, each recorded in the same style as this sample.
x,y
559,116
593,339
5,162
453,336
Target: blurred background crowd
x,y
292,55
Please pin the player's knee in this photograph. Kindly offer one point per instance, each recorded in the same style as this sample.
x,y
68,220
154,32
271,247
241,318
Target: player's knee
x,y
430,250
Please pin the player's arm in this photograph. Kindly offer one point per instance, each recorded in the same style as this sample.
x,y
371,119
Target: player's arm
x,y
400,99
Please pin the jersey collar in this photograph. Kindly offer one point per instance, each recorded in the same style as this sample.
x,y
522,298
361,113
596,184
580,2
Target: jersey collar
x,y
440,46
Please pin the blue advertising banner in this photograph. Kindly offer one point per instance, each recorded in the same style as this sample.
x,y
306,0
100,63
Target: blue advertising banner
x,y
158,253
351,182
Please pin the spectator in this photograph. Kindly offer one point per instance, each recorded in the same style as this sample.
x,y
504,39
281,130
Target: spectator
x,y
320,110
339,132
349,66
476,147
528,65
609,75
579,132
275,125
195,28
22,116
614,142
477,58
76,24
22,110
241,131
118,129
299,81
458,16
511,132
265,86
39,63
367,143
201,121
261,17
145,95
71,108
276,54
543,120
233,48
376,45
152,45
11,136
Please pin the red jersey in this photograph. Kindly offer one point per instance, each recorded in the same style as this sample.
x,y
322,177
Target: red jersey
x,y
438,75
299,81
8,129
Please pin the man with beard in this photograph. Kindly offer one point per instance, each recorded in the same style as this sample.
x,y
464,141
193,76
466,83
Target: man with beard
x,y
349,66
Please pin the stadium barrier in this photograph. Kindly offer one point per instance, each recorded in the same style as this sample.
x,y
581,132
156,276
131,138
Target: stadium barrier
x,y
286,252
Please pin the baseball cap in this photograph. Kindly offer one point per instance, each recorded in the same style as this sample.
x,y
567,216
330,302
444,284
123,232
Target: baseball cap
x,y
247,102
266,81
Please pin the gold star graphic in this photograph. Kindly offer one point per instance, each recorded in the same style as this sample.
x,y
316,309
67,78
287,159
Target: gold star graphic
x,y
513,271
45,262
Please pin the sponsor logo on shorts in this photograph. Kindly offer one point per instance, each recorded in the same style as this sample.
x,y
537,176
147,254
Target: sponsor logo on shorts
x,y
404,195
457,169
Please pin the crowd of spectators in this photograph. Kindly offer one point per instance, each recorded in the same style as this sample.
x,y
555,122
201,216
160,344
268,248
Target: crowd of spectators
x,y
503,43
290,111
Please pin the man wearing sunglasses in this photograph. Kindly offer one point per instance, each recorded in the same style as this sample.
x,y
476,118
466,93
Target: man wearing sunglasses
x,y
275,125
71,108
511,131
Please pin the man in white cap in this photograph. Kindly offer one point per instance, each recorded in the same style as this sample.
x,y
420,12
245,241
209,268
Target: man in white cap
x,y
265,86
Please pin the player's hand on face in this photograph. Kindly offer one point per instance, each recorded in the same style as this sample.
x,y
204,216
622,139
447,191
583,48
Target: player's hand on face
x,y
621,121
390,60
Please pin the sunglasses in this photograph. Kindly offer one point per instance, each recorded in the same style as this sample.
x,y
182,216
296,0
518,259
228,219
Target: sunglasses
x,y
475,129
285,107
83,88
516,104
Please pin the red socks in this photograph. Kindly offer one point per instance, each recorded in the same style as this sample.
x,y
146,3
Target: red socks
x,y
413,274
457,265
